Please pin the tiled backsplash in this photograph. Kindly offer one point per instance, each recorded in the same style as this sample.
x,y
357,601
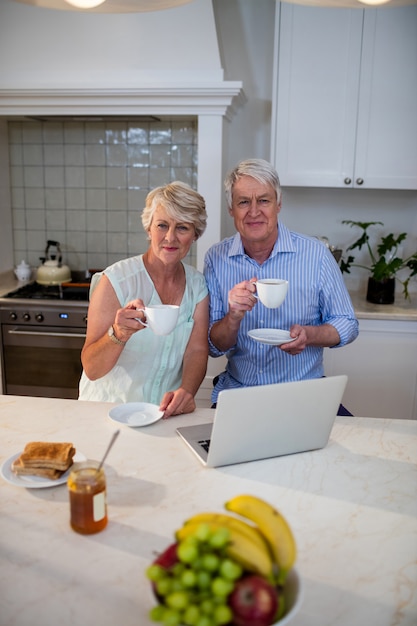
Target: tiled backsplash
x,y
84,184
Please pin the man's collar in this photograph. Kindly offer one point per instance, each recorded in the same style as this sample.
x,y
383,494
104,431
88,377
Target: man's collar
x,y
283,243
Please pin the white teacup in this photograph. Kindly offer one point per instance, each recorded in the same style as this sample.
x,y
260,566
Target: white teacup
x,y
272,291
161,318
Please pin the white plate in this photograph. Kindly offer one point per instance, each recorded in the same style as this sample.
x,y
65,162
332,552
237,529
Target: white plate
x,y
135,414
271,336
34,482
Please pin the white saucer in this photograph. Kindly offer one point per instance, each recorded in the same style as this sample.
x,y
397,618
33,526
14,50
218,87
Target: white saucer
x,y
34,482
271,336
135,414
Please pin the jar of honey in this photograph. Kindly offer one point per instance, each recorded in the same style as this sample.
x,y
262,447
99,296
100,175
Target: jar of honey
x,y
87,496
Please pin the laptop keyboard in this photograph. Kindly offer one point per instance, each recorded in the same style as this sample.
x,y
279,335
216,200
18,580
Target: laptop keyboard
x,y
205,443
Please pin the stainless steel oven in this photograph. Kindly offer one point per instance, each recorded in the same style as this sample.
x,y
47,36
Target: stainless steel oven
x,y
41,342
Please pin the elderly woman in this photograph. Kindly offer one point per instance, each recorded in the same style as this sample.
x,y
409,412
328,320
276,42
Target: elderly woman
x,y
123,360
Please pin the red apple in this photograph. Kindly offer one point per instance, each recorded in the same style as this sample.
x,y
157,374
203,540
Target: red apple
x,y
254,602
168,557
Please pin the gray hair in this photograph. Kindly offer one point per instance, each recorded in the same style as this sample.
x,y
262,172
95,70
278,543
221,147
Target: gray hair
x,y
181,202
260,170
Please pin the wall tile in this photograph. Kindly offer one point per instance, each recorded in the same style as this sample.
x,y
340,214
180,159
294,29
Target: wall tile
x,y
74,154
53,154
35,219
75,198
54,176
34,198
95,154
55,198
34,177
95,177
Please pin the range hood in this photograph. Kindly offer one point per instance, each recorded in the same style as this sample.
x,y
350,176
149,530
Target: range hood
x,y
72,65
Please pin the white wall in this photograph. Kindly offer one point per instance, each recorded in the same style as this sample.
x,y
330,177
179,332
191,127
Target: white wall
x,y
42,48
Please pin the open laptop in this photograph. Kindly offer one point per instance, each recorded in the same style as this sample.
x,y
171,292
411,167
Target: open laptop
x,y
252,423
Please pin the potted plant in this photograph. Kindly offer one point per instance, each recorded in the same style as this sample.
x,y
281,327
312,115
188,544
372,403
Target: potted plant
x,y
384,263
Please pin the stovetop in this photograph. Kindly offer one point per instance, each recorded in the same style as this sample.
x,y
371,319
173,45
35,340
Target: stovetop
x,y
34,291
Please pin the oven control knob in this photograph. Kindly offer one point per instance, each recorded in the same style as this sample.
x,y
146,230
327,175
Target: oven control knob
x,y
13,316
26,317
39,317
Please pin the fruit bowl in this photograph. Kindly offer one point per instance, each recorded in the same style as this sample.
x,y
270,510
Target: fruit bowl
x,y
293,594
224,569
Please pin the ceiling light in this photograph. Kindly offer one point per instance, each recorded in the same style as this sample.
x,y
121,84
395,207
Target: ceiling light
x,y
352,4
85,4
374,2
107,6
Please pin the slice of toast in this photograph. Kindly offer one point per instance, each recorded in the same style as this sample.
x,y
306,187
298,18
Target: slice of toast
x,y
46,472
50,455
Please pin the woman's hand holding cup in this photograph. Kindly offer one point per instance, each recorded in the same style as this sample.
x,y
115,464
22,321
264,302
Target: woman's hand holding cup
x,y
160,318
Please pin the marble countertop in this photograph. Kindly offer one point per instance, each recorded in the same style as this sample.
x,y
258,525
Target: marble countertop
x,y
352,507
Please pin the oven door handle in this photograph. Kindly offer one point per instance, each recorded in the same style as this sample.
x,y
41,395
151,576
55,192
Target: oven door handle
x,y
37,333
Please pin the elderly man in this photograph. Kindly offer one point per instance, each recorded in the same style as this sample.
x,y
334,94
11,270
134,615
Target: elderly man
x,y
317,309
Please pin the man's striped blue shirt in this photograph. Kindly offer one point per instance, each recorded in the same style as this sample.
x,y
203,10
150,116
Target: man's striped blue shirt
x,y
316,295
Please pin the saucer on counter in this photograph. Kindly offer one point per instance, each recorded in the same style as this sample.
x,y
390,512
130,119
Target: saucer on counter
x,y
135,414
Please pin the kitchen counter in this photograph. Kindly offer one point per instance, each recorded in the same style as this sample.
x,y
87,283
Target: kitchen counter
x,y
9,282
352,507
401,310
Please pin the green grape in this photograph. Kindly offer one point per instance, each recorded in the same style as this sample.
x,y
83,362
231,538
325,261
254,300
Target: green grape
x,y
198,563
230,570
210,562
164,586
207,606
188,578
177,569
171,617
156,572
222,614
203,532
203,579
219,538
191,615
177,600
221,586
157,612
187,551
205,620
176,584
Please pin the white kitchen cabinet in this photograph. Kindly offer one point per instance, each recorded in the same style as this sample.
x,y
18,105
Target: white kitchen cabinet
x,y
345,97
381,365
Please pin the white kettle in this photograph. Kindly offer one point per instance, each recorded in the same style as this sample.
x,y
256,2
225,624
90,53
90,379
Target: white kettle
x,y
52,272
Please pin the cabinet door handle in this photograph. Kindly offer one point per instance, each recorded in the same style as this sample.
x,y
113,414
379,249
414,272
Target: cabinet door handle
x,y
347,181
359,181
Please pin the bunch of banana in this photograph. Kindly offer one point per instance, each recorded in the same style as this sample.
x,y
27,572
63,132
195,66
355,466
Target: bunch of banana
x,y
273,526
265,545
